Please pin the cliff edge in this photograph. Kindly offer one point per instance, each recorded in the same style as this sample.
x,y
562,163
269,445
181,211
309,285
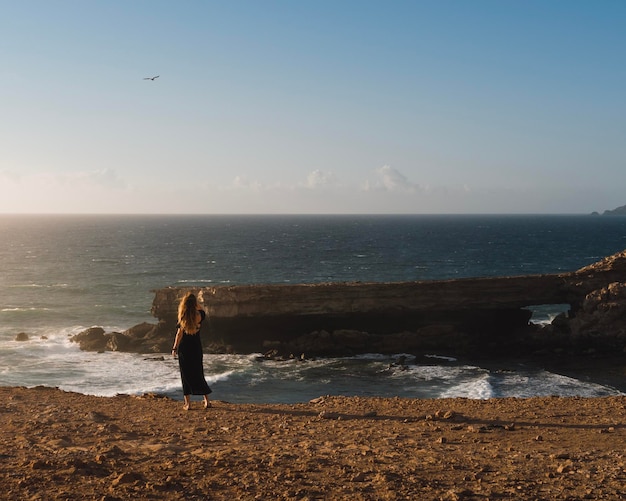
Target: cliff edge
x,y
464,316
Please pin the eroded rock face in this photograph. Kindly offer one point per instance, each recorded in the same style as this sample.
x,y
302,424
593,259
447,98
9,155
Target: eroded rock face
x,y
601,322
467,316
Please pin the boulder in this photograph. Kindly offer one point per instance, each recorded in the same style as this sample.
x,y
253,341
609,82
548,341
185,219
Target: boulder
x,y
92,339
118,342
22,336
141,331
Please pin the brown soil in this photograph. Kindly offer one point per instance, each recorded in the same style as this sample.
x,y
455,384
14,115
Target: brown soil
x,y
58,445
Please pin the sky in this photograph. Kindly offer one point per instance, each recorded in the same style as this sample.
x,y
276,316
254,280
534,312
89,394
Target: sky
x,y
325,106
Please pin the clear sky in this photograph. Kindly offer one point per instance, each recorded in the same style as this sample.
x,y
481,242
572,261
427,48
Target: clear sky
x,y
318,106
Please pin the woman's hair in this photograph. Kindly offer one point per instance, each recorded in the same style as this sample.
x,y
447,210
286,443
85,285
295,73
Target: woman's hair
x,y
187,313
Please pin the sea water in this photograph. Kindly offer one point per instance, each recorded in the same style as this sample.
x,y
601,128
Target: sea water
x,y
62,274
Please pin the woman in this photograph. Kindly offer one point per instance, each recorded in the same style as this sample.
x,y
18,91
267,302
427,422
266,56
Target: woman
x,y
189,349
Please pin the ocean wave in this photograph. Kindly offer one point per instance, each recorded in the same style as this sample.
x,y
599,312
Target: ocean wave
x,y
38,286
195,280
479,388
29,309
245,379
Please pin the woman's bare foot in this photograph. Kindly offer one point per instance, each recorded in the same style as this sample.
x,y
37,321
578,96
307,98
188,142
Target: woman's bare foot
x,y
186,407
207,404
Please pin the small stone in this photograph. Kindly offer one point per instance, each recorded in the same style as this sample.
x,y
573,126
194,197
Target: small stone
x,y
444,414
480,429
126,478
328,415
359,477
564,468
96,417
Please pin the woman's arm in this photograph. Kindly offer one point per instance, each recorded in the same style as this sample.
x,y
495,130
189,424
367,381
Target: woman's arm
x,y
179,335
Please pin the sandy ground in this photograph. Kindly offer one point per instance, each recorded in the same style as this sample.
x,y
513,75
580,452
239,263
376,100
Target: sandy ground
x,y
59,445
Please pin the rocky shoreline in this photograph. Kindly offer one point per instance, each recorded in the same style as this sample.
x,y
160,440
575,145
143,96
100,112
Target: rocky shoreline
x,y
488,317
64,446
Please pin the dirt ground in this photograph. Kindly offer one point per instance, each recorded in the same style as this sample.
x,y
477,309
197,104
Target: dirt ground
x,y
56,445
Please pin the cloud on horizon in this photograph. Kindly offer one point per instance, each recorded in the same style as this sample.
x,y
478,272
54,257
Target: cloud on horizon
x,y
389,179
385,190
106,178
385,178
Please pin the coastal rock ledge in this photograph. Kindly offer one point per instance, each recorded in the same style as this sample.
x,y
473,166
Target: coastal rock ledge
x,y
470,316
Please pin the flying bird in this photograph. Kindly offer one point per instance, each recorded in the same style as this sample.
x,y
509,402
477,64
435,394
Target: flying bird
x,y
152,78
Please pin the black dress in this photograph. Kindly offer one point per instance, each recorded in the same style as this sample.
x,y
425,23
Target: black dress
x,y
190,363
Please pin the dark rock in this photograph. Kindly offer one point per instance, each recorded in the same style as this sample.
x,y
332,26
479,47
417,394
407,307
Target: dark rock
x,y
92,339
140,331
22,336
118,342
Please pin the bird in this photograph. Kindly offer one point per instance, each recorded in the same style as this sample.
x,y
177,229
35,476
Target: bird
x,y
152,78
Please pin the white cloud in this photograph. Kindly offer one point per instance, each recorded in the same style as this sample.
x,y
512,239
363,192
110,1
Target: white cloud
x,y
389,179
314,180
319,178
78,179
243,183
386,191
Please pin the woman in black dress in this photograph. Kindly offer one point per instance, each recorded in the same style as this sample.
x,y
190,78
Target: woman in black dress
x,y
189,349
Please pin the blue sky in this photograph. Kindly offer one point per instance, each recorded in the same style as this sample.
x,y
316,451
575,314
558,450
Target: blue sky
x,y
312,106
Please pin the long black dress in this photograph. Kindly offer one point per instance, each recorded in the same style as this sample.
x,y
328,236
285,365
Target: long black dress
x,y
190,363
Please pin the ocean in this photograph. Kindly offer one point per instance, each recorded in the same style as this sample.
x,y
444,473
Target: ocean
x,y
60,274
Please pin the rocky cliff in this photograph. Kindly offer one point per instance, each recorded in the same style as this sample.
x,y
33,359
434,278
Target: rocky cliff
x,y
619,211
465,316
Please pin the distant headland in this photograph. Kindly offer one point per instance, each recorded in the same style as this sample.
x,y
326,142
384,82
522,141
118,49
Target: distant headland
x,y
619,211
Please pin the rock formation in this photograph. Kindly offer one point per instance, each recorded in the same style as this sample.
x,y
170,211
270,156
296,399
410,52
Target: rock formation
x,y
619,211
465,316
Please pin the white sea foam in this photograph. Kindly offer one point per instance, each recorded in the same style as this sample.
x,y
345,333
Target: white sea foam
x,y
27,309
479,388
441,357
242,378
